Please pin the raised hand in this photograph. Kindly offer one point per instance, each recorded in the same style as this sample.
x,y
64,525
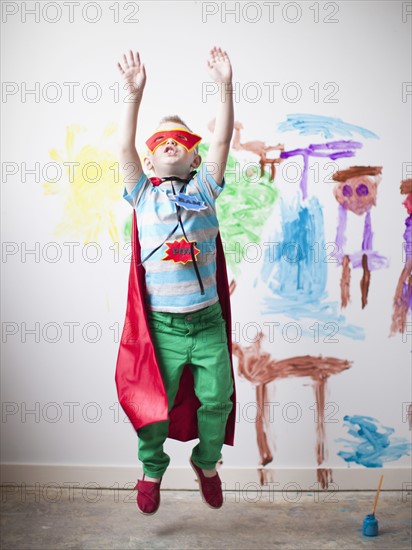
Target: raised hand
x,y
219,65
133,71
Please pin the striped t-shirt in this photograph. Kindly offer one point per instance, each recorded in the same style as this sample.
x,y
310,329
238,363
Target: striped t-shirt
x,y
173,286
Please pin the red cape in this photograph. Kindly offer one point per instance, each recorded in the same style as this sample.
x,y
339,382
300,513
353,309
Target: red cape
x,y
139,383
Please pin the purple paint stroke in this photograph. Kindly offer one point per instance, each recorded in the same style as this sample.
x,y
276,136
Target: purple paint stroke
x,y
375,260
340,144
347,191
367,233
407,295
334,156
315,150
362,190
340,232
406,290
408,237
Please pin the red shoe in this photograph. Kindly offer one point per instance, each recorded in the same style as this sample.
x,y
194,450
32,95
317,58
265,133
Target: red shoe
x,y
148,496
210,487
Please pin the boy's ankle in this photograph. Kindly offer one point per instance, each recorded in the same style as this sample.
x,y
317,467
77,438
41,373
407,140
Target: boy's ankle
x,y
209,473
153,479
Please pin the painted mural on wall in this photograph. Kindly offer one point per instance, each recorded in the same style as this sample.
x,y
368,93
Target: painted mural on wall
x,y
356,192
402,301
260,368
296,281
291,282
372,444
90,188
296,287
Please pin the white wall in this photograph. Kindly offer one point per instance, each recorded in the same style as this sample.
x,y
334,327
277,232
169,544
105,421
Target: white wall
x,y
366,53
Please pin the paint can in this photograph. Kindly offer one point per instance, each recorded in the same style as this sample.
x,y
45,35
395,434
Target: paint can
x,y
370,526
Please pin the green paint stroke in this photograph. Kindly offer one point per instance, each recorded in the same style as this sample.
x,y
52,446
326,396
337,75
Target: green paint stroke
x,y
242,208
127,228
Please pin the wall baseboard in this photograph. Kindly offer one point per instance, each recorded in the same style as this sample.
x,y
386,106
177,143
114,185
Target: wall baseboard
x,y
233,479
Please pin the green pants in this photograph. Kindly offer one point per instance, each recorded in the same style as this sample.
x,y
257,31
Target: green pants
x,y
198,339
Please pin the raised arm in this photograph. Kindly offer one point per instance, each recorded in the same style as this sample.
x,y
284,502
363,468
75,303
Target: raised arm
x,y
220,70
134,75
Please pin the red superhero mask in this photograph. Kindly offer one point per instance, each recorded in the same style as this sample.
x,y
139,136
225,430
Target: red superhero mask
x,y
186,139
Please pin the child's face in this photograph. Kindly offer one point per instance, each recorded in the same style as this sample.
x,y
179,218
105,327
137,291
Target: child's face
x,y
171,158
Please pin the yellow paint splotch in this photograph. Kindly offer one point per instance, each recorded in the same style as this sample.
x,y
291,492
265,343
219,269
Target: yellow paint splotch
x,y
90,186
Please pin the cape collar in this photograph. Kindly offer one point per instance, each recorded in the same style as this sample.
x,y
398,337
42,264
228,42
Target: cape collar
x,y
158,181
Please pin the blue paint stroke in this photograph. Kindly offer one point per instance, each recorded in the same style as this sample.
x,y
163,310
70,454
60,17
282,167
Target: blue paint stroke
x,y
295,267
295,253
328,127
371,447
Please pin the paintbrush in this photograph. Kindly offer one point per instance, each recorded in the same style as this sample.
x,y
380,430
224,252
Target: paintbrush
x,y
377,496
370,523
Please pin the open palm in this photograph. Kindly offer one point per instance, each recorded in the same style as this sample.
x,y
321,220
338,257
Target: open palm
x,y
133,71
219,65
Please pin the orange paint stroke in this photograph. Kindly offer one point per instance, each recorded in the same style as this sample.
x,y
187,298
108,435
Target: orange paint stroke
x,y
356,171
257,147
406,186
345,282
401,299
357,204
260,368
365,281
403,291
324,477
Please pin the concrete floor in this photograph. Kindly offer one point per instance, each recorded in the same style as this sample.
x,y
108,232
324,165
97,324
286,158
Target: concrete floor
x,y
311,521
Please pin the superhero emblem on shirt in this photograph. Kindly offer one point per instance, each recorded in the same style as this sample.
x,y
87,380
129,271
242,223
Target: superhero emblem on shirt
x,y
179,252
186,139
188,202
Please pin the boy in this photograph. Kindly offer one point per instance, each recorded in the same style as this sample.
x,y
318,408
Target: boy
x,y
174,374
